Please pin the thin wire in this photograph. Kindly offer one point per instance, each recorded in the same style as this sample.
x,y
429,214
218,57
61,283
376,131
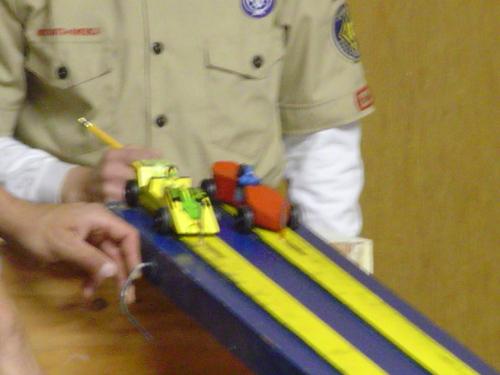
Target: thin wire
x,y
134,275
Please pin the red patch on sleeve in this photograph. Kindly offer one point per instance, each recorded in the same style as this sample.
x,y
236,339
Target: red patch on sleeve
x,y
364,98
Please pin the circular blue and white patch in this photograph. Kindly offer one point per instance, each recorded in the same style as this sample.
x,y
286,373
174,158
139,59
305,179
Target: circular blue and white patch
x,y
343,34
257,8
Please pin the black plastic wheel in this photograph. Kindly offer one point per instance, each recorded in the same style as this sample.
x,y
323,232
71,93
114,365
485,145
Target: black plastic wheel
x,y
244,221
294,219
163,221
218,213
132,193
208,186
239,194
241,170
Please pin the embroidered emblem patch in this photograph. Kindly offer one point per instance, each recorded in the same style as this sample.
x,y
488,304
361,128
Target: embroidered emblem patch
x,y
86,31
343,34
257,8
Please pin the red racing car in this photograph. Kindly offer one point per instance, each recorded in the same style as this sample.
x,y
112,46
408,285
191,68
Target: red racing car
x,y
256,204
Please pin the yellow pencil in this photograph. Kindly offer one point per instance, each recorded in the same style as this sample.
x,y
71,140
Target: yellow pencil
x,y
99,133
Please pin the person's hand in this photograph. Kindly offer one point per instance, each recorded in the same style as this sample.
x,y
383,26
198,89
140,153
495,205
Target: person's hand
x,y
84,234
16,357
106,182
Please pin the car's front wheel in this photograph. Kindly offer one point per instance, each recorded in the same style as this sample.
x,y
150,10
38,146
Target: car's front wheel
x,y
208,186
163,221
132,193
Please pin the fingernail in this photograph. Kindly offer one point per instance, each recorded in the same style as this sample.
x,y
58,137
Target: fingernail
x,y
88,292
130,295
107,270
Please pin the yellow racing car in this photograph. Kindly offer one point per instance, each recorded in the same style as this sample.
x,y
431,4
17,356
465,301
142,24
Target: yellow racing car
x,y
177,207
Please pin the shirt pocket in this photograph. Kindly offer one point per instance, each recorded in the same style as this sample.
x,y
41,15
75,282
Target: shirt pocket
x,y
252,57
68,80
243,79
67,64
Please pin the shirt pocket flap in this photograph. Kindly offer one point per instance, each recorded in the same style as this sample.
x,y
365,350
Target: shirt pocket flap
x,y
65,65
251,57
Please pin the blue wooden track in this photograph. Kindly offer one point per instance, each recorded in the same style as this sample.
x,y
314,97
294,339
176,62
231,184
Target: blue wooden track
x,y
254,336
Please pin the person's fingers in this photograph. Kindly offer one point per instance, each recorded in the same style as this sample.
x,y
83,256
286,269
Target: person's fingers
x,y
113,175
112,191
89,287
71,248
116,171
131,247
128,154
125,236
138,153
118,240
93,281
113,251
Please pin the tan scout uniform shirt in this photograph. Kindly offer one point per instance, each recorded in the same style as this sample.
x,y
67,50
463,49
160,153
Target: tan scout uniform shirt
x,y
200,80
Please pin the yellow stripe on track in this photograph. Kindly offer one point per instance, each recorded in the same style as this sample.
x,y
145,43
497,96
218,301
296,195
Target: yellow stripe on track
x,y
283,307
368,306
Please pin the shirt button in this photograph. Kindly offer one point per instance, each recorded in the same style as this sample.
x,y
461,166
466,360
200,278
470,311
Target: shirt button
x,y
157,47
62,72
161,121
257,61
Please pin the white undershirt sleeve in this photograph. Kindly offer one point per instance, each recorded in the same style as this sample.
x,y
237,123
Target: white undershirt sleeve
x,y
30,173
325,172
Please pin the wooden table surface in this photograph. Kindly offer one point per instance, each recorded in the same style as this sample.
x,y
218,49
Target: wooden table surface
x,y
72,337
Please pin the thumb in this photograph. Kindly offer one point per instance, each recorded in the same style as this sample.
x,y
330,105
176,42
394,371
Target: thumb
x,y
129,154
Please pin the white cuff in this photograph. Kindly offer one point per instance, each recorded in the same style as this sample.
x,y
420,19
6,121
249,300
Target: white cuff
x,y
50,181
30,173
325,173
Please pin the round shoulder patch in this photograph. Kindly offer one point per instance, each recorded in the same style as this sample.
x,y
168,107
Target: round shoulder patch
x,y
343,34
257,8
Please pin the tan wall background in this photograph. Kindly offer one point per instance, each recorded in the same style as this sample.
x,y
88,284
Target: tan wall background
x,y
431,152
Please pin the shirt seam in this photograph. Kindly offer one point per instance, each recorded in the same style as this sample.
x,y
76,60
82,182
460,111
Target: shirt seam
x,y
15,9
299,106
329,124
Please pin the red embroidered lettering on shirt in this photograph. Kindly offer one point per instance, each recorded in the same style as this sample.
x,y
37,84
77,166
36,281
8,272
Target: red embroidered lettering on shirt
x,y
364,98
85,31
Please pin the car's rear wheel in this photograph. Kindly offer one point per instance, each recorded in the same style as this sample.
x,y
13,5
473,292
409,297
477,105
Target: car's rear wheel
x,y
244,221
132,193
208,185
163,221
241,170
294,219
